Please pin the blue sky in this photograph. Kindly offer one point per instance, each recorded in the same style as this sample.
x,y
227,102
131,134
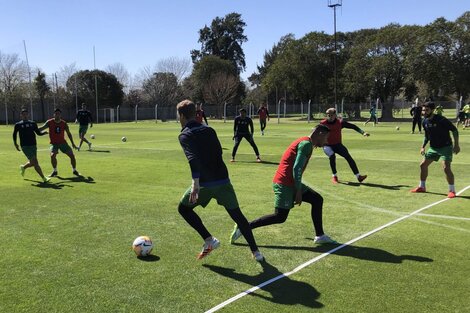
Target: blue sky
x,y
142,32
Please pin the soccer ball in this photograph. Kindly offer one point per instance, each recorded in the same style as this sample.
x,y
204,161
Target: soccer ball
x,y
142,246
398,128
123,139
92,136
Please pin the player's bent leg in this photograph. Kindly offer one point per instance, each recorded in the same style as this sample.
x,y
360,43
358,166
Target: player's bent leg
x,y
193,220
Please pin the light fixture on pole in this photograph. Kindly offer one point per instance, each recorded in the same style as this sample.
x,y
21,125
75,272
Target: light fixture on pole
x,y
334,4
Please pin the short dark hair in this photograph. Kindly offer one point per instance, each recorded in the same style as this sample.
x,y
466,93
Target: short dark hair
x,y
430,105
242,110
321,128
57,110
24,110
186,108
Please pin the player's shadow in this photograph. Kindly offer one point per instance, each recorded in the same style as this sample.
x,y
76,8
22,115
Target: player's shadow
x,y
101,151
48,185
149,258
357,252
78,179
284,291
390,187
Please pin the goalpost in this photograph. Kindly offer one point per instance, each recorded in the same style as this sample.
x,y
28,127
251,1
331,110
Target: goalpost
x,y
109,115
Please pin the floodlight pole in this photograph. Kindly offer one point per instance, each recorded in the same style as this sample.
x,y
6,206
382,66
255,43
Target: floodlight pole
x,y
30,81
333,4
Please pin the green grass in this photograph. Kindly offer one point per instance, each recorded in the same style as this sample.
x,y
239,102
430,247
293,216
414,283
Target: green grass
x,y
66,245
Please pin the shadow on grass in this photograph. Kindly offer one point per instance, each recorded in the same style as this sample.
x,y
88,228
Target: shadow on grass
x,y
390,187
79,179
97,150
357,252
149,258
282,291
49,185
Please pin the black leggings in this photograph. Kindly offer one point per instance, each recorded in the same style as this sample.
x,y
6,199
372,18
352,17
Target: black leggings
x,y
342,151
236,214
249,138
416,122
280,215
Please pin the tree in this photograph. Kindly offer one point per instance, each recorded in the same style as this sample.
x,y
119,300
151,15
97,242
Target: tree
x,y
42,88
121,73
13,77
110,92
220,88
162,89
177,66
224,38
64,74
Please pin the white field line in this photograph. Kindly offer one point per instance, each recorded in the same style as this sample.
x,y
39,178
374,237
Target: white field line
x,y
321,256
466,230
445,216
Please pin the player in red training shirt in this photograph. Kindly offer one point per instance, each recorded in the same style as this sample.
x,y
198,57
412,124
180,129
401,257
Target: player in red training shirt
x,y
200,115
335,146
263,115
57,129
289,189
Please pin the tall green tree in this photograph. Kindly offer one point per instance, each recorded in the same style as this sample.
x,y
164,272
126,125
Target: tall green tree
x,y
110,93
162,88
42,88
224,38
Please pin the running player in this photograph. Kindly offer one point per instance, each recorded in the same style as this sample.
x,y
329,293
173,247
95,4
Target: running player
x,y
263,115
200,115
373,116
57,129
27,130
84,118
240,131
335,146
209,180
289,189
436,132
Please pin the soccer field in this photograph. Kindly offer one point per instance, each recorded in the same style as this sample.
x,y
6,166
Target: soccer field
x,y
66,245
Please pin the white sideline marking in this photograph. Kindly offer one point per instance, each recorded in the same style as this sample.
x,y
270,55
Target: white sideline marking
x,y
446,216
321,256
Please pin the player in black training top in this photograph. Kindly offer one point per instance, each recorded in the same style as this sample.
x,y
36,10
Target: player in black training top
x,y
84,118
28,130
240,131
209,180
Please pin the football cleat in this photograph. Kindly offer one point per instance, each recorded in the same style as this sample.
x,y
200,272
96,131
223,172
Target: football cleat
x,y
22,170
418,189
236,233
323,239
258,256
361,178
334,179
209,246
53,174
451,194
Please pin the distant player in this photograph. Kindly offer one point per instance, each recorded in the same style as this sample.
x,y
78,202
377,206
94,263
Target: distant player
x,y
200,115
289,189
57,129
466,110
240,131
416,112
210,180
27,130
439,110
334,145
84,118
263,115
436,132
373,115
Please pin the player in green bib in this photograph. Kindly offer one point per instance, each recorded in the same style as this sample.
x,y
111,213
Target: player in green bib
x,y
289,189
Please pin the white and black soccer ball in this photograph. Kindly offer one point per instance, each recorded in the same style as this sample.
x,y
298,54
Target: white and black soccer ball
x,y
123,139
92,136
142,246
397,128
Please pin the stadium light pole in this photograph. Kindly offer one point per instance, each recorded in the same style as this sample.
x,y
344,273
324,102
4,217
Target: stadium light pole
x,y
334,4
30,81
96,86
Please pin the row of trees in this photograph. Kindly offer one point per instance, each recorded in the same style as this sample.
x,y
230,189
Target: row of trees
x,y
393,61
431,61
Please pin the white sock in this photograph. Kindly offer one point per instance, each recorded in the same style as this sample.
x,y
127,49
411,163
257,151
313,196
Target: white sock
x,y
452,188
334,175
422,183
357,175
74,169
55,169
